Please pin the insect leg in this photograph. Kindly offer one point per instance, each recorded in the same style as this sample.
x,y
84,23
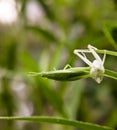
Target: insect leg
x,y
83,57
92,50
104,57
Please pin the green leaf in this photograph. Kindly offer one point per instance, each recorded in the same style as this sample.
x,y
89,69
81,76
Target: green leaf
x,y
107,28
62,121
43,32
48,10
76,73
28,62
75,99
23,6
53,96
66,74
49,91
72,74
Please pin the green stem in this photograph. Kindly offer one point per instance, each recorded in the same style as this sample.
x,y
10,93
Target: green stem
x,y
112,53
110,74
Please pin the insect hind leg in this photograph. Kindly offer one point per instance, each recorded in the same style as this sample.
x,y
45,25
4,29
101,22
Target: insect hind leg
x,y
104,57
92,50
82,56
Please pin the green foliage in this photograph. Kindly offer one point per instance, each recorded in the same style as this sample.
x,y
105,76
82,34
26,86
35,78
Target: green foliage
x,y
46,43
72,74
78,124
76,73
46,34
65,75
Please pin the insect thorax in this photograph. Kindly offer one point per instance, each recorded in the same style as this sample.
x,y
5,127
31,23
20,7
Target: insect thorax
x,y
97,71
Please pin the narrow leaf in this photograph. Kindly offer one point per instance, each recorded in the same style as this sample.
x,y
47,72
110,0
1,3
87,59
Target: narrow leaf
x,y
43,32
62,121
66,74
47,9
107,28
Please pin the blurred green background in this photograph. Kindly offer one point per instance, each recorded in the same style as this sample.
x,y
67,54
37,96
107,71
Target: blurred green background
x,y
40,35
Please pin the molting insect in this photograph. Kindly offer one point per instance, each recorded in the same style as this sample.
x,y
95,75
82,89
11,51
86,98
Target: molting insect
x,y
97,66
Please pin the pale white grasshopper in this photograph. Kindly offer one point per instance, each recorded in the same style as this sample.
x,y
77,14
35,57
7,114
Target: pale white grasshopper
x,y
97,66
